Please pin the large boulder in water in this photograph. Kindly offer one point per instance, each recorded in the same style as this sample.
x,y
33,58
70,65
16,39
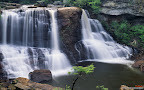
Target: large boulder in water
x,y
40,75
139,64
69,19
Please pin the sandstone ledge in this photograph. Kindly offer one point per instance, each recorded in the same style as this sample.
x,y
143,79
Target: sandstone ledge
x,y
25,84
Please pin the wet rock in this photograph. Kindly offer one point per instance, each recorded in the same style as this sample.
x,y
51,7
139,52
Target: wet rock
x,y
32,7
142,67
40,75
41,59
69,19
1,57
137,64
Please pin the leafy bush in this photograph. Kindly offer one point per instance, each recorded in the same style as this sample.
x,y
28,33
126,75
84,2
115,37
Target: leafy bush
x,y
91,5
101,87
127,33
80,71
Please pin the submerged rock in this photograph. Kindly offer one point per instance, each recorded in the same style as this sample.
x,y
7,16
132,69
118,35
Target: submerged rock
x,y
40,75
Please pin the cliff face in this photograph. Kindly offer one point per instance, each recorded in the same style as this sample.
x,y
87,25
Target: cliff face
x,y
120,7
130,10
69,19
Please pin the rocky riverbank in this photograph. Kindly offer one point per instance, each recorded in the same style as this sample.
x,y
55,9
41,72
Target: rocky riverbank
x,y
24,84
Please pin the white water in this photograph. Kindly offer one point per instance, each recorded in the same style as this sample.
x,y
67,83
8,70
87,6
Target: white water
x,y
23,30
99,45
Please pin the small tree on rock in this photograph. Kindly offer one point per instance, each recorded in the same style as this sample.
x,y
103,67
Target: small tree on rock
x,y
80,71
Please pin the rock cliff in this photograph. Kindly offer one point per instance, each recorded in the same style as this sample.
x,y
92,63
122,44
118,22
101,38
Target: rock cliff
x,y
69,19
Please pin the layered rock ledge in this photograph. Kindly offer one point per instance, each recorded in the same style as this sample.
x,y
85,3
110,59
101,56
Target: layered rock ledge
x,y
119,8
25,84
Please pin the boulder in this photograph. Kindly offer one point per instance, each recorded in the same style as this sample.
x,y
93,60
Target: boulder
x,y
40,4
40,75
137,64
69,19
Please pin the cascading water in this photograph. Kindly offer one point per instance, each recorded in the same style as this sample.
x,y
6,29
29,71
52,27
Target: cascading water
x,y
99,45
30,41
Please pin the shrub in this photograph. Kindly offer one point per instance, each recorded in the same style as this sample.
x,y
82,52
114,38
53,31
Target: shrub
x,y
127,33
90,5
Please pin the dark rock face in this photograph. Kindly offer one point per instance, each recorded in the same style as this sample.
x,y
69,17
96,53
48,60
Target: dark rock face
x,y
119,10
40,4
2,72
119,7
40,75
69,19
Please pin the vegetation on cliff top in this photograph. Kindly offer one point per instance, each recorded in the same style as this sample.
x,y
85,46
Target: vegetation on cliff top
x,y
90,5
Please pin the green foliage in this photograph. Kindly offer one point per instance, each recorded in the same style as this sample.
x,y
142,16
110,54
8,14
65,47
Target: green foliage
x,y
91,5
121,31
101,87
127,33
80,69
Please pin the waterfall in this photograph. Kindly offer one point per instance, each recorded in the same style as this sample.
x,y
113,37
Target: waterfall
x,y
30,41
99,45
